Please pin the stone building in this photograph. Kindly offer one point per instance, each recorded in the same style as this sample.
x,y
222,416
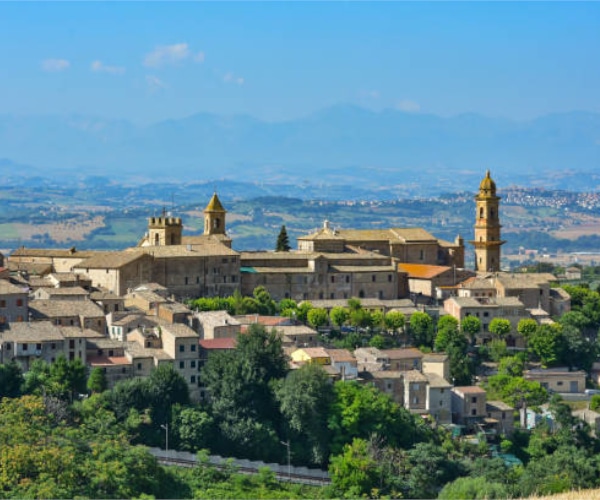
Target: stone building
x,y
487,240
13,303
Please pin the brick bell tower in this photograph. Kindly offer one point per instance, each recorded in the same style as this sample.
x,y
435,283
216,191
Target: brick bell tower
x,y
487,240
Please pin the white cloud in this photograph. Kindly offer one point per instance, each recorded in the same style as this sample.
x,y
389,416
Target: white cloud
x,y
155,84
55,65
408,106
167,54
229,77
100,67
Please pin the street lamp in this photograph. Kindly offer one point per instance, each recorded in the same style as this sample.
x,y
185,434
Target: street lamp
x,y
166,428
287,445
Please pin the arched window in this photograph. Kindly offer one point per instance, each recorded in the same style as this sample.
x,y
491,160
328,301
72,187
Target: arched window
x,y
156,239
481,212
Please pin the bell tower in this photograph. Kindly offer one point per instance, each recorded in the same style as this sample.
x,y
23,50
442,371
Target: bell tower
x,y
487,240
214,217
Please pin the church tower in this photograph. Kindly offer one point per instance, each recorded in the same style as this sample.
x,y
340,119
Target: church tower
x,y
214,217
487,240
164,231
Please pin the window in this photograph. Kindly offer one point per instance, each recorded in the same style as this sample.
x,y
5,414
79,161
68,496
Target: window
x,y
38,347
233,278
192,363
481,212
19,302
25,347
474,411
182,364
416,387
8,345
111,353
373,278
486,314
181,348
441,403
72,345
193,348
224,260
474,400
186,280
193,379
559,383
320,295
421,254
2,303
333,279
197,280
347,279
139,366
332,295
389,278
123,370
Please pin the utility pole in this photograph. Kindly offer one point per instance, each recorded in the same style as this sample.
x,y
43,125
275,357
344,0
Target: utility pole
x,y
166,428
287,445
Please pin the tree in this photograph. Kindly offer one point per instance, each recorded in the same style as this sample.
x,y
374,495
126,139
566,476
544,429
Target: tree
x,y
595,402
577,351
97,380
192,428
11,380
317,317
360,318
166,388
421,328
527,327
354,473
305,396
339,315
471,326
465,488
500,327
283,242
546,344
377,319
360,411
303,309
516,390
447,332
264,303
498,349
394,320
512,366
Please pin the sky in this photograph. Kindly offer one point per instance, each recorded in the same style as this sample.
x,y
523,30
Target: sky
x,y
152,61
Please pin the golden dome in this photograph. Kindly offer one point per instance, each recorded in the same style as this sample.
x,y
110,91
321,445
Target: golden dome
x,y
487,186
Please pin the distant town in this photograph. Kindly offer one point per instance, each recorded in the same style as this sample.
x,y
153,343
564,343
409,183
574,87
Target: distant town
x,y
345,342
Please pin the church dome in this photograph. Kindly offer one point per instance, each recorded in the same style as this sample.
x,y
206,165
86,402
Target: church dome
x,y
487,186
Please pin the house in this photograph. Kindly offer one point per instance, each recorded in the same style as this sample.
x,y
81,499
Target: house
x,y
13,303
591,418
436,364
344,363
173,312
573,273
67,293
468,405
315,355
502,415
26,342
119,324
109,302
415,390
82,313
403,359
558,379
425,280
210,346
216,325
439,398
389,382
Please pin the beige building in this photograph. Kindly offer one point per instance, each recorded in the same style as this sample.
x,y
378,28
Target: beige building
x,y
415,391
216,325
558,379
439,398
81,313
28,341
436,364
468,405
501,416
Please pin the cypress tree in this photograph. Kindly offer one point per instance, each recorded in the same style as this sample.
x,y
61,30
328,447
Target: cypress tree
x,y
283,242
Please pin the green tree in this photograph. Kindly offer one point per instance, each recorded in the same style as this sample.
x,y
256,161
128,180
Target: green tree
x,y
97,380
317,317
447,332
500,327
471,326
11,380
498,349
421,329
595,402
283,242
527,327
166,388
546,344
394,321
512,366
339,315
303,309
378,341
192,428
354,473
264,303
361,318
305,396
515,391
465,488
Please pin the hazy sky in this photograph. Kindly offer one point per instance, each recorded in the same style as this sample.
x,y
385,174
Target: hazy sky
x,y
151,61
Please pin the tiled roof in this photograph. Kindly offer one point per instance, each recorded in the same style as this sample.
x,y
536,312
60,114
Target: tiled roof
x,y
435,381
7,288
469,389
71,290
77,332
227,343
108,361
340,355
498,406
110,260
58,308
422,271
53,252
315,352
31,332
415,376
178,330
216,318
213,248
408,353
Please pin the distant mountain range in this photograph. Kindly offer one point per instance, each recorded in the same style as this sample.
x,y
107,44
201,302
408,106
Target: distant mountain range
x,y
339,145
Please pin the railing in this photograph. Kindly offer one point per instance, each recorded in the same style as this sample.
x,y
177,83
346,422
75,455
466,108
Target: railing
x,y
303,475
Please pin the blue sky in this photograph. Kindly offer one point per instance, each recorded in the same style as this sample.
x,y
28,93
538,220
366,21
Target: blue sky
x,y
152,61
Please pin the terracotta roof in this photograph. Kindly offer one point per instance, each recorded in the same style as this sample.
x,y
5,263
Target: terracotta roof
x,y
209,344
423,271
250,319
